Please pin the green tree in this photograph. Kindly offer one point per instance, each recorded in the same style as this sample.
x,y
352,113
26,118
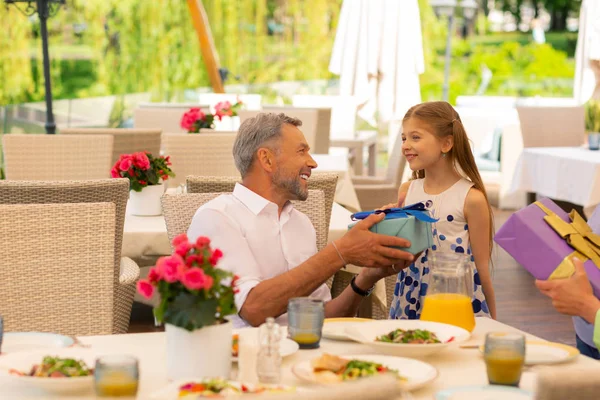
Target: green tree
x,y
559,11
15,61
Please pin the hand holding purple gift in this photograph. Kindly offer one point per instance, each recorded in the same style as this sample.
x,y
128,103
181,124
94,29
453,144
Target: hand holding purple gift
x,y
545,239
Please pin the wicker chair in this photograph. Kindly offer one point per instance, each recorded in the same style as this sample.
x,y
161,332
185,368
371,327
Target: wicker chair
x,y
315,123
57,157
205,154
163,116
374,192
125,141
57,268
179,209
125,270
325,181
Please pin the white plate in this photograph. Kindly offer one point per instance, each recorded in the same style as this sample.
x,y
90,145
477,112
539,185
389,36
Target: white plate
x,y
287,347
367,332
335,328
417,373
27,341
171,391
489,392
544,353
23,361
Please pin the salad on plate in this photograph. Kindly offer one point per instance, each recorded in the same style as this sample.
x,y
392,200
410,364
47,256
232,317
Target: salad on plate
x,y
409,336
218,387
331,368
56,367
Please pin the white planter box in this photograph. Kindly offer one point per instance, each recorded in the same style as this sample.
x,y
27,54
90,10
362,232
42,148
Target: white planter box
x,y
203,353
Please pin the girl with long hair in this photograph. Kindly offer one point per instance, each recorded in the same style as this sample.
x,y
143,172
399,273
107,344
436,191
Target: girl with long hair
x,y
445,177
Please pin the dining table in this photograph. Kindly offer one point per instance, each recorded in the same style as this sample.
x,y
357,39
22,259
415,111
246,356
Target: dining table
x,y
569,174
456,366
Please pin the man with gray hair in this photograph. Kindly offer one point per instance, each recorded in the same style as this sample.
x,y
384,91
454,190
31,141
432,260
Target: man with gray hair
x,y
271,246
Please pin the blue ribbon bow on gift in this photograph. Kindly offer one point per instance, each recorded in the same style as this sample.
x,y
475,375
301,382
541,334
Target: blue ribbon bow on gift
x,y
417,210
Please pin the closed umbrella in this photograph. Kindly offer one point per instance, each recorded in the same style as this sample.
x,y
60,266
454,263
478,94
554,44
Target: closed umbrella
x,y
587,55
378,54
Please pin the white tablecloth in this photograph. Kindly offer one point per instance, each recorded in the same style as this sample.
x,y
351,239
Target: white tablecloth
x,y
344,192
563,173
456,366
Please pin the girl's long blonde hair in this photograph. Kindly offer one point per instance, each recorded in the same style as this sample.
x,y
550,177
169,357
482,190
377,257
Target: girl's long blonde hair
x,y
445,121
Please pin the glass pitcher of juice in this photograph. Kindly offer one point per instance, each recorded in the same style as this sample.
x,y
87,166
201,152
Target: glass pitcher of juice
x,y
450,290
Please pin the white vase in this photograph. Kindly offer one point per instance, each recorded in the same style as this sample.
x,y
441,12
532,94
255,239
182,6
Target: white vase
x,y
203,353
146,202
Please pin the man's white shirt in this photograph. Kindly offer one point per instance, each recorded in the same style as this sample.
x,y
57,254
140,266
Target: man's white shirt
x,y
257,244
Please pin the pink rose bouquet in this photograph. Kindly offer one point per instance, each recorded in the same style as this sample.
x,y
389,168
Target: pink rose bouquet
x,y
193,292
226,109
194,120
142,169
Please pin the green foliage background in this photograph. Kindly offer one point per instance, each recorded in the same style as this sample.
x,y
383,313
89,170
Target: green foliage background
x,y
132,46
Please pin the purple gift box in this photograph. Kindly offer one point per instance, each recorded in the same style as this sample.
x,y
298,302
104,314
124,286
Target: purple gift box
x,y
536,246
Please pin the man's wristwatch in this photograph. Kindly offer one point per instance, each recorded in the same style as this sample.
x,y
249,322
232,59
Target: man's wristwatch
x,y
359,291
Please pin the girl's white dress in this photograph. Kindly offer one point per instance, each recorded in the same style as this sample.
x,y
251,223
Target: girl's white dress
x,y
450,234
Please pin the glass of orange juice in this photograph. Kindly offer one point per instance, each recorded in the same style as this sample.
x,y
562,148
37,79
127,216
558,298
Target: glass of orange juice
x,y
305,321
448,298
116,376
504,355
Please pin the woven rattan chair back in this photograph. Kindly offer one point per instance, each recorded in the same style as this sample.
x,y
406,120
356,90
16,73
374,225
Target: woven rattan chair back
x,y
179,209
125,141
208,154
57,267
325,181
57,157
114,191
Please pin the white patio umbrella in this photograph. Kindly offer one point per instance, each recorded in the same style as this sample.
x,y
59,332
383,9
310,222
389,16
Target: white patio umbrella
x,y
587,55
378,54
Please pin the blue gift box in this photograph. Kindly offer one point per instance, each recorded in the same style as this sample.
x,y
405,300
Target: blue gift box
x,y
412,222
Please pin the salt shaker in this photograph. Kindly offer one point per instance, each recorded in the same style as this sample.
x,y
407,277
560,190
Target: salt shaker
x,y
268,363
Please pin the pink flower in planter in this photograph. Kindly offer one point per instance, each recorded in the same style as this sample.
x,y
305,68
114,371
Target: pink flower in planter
x,y
125,164
145,288
194,259
141,161
190,117
154,275
215,257
170,267
196,279
115,172
202,242
223,109
179,239
183,248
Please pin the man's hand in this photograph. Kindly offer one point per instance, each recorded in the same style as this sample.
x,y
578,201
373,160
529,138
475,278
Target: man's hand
x,y
359,246
572,296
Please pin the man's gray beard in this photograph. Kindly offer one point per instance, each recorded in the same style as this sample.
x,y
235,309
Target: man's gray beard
x,y
292,186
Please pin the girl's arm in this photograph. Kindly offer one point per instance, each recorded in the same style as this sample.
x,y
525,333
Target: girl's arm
x,y
478,218
402,192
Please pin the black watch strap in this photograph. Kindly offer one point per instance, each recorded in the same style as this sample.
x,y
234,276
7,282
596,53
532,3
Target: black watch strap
x,y
359,291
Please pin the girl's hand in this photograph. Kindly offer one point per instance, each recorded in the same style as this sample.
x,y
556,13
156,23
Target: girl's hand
x,y
390,205
399,203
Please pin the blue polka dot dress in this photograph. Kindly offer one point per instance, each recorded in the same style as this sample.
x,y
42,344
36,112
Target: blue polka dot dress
x,y
450,234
